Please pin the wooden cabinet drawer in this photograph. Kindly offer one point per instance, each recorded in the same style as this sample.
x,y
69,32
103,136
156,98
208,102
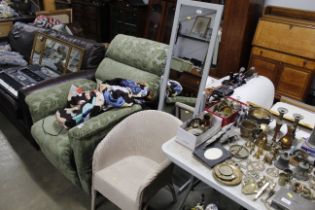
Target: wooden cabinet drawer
x,y
5,28
284,58
294,82
285,37
266,67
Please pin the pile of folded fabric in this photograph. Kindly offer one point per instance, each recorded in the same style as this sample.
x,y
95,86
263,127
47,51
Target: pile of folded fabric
x,y
10,58
52,23
6,11
116,93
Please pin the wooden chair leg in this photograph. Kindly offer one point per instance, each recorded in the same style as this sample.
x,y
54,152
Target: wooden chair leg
x,y
172,189
93,195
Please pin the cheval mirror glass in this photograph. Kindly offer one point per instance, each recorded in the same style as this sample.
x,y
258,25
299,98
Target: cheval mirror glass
x,y
55,54
193,39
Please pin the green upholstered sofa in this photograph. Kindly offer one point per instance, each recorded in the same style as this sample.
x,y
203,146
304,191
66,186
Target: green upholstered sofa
x,y
71,150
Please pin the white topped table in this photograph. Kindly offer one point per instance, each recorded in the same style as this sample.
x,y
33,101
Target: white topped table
x,y
184,158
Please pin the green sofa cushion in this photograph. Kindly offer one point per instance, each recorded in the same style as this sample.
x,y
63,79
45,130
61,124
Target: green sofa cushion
x,y
111,69
54,143
46,101
139,53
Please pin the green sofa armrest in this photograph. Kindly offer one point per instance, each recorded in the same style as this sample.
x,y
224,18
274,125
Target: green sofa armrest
x,y
46,101
85,137
185,100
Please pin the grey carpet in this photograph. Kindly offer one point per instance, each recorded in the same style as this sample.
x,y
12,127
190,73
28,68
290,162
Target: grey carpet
x,y
29,182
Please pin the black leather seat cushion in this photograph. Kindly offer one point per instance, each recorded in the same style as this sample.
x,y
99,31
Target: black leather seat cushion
x,y
94,51
21,38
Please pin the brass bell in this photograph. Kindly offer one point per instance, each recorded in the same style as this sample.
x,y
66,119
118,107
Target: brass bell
x,y
283,161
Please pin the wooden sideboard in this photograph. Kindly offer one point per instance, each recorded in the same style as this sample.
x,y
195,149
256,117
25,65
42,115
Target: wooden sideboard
x,y
283,50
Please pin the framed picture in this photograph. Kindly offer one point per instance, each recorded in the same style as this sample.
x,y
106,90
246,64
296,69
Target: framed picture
x,y
200,26
56,54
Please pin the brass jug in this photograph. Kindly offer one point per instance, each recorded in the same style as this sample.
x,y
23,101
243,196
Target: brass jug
x,y
287,140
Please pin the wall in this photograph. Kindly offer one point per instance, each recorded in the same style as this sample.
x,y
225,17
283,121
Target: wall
x,y
297,4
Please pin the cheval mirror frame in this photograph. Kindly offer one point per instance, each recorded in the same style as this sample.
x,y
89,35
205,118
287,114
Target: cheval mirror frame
x,y
217,10
39,46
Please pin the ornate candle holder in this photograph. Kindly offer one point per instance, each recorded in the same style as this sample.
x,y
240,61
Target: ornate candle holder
x,y
282,111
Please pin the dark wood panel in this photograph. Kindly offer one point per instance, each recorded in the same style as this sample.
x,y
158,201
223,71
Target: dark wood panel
x,y
93,18
127,18
239,23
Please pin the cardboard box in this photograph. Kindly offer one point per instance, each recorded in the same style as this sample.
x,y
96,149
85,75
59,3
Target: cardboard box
x,y
191,141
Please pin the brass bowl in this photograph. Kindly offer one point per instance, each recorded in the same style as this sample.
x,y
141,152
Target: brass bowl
x,y
260,115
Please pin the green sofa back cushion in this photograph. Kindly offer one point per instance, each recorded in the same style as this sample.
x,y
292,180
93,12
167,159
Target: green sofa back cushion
x,y
139,53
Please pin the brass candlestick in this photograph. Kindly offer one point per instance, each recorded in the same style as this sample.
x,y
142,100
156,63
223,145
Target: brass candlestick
x,y
277,130
282,111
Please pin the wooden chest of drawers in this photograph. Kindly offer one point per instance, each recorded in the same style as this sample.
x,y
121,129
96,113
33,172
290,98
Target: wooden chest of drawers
x,y
283,50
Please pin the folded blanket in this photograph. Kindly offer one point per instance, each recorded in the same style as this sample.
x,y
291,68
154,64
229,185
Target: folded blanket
x,y
11,58
114,93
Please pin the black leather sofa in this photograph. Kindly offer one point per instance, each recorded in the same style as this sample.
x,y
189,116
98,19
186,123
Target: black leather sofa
x,y
21,40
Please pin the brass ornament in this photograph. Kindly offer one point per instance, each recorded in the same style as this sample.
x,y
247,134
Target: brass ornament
x,y
227,174
239,151
272,172
247,128
255,166
287,140
260,115
250,187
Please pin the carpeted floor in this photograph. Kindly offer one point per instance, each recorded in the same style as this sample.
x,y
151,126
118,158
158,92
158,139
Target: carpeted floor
x,y
29,182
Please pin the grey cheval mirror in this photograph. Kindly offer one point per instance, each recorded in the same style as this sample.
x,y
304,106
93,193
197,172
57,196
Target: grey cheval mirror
x,y
194,36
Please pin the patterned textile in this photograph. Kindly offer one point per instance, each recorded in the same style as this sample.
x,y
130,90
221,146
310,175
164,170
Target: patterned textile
x,y
114,93
6,11
139,53
47,101
46,22
174,88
